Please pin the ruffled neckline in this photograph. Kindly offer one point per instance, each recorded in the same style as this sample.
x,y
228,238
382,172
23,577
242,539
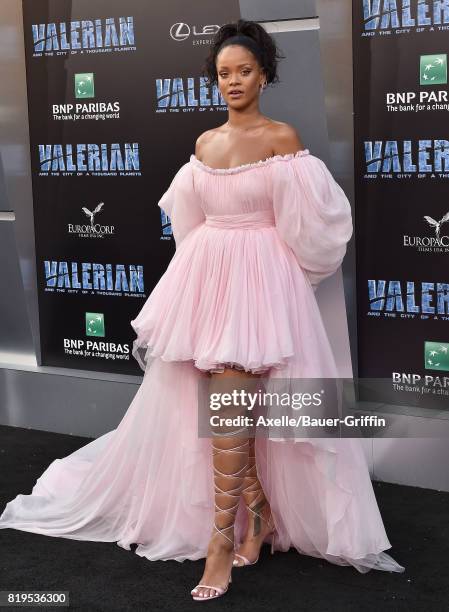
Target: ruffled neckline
x,y
249,166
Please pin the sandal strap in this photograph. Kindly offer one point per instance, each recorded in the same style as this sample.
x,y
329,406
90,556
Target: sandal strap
x,y
232,491
245,559
221,590
255,487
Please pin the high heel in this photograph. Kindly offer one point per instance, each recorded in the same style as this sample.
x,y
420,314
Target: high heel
x,y
219,590
246,561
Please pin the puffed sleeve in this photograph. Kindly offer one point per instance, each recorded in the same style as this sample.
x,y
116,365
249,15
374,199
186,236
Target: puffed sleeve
x,y
181,204
312,214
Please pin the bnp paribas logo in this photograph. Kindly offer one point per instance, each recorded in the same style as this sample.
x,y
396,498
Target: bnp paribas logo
x,y
436,355
95,324
84,85
433,69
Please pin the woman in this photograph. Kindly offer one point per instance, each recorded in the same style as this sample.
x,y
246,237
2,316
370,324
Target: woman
x,y
235,305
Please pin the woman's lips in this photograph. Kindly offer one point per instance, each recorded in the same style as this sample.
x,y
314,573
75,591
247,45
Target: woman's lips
x,y
236,94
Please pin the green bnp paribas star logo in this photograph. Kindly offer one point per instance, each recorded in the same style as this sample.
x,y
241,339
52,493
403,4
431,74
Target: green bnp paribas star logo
x,y
95,324
433,69
436,356
84,85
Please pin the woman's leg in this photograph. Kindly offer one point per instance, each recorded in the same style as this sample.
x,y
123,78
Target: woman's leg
x,y
259,513
230,450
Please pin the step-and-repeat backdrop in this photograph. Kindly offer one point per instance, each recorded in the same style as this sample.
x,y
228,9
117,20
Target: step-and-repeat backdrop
x,y
402,204
116,101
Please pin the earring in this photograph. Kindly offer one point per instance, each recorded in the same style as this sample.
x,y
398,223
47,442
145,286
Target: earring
x,y
262,87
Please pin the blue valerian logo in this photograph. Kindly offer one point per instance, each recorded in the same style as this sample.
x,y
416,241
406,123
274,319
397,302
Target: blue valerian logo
x,y
88,276
408,159
404,16
89,159
177,93
167,233
408,298
84,36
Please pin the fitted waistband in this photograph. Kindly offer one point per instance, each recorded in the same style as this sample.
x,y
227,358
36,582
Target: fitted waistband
x,y
250,220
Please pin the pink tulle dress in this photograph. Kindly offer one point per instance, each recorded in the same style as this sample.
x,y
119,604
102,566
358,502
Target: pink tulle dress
x,y
252,244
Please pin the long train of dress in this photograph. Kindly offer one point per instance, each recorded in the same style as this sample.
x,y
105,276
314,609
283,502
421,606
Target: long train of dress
x,y
252,243
150,482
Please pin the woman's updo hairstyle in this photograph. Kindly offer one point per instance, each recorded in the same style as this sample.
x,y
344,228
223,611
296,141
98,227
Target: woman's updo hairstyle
x,y
250,35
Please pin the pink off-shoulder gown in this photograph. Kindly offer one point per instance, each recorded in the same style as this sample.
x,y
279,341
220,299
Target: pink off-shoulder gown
x,y
252,244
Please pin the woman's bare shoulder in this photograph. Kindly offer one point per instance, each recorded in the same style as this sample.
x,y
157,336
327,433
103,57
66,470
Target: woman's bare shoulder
x,y
284,138
205,139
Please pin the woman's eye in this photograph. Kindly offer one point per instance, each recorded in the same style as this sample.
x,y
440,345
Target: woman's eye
x,y
224,75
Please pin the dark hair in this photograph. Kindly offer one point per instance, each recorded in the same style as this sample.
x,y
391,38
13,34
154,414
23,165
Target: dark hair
x,y
261,45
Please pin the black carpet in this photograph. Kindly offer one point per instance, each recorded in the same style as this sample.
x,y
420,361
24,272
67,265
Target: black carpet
x,y
103,576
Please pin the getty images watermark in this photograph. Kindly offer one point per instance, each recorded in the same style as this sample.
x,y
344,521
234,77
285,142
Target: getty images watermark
x,y
295,408
303,420
320,408
279,408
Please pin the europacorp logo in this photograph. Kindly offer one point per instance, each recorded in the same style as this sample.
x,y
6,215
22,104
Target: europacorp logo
x,y
95,324
84,85
439,243
436,355
91,229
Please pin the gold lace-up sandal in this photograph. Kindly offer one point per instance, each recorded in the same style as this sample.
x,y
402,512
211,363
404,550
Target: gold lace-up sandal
x,y
230,511
259,501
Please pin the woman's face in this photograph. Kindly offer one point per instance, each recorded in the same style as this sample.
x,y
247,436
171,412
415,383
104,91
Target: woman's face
x,y
238,69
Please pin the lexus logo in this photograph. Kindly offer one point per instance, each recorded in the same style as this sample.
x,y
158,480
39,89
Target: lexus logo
x,y
182,31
